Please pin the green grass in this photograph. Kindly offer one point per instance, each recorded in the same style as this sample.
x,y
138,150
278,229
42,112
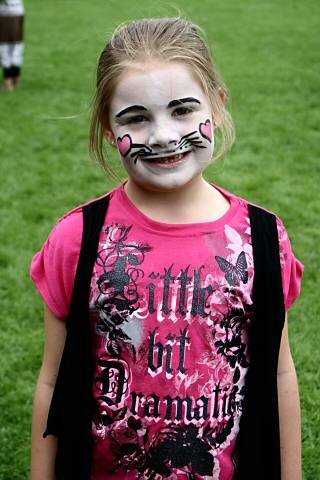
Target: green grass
x,y
268,53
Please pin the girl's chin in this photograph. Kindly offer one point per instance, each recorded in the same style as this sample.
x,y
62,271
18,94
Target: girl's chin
x,y
165,183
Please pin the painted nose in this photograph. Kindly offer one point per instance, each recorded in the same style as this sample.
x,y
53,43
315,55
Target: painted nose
x,y
162,137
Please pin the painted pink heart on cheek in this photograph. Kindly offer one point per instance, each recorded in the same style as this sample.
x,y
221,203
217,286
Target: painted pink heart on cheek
x,y
206,130
124,144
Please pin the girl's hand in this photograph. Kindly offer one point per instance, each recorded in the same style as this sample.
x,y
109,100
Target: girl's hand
x,y
44,449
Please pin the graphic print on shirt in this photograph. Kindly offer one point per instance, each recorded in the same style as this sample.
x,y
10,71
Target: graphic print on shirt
x,y
169,380
236,272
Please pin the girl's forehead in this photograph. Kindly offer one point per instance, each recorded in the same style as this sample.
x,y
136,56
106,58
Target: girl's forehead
x,y
156,85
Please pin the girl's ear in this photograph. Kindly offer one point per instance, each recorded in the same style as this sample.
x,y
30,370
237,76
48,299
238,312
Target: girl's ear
x,y
218,117
223,96
110,137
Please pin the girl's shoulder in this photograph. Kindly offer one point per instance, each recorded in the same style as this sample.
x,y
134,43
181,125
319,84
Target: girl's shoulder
x,y
242,215
73,218
244,208
69,227
53,268
291,267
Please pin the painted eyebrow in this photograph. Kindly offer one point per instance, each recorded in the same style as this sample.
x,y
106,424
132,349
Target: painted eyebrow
x,y
174,103
133,108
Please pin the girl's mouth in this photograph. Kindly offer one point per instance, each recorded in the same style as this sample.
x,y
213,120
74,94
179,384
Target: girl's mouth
x,y
169,161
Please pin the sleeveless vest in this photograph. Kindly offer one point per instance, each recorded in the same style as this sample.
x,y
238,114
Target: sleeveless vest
x,y
72,407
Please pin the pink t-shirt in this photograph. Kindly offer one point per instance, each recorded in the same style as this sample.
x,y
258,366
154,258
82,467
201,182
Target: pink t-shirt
x,y
170,307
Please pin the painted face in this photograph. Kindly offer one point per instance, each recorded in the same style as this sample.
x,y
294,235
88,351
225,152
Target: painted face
x,y
162,121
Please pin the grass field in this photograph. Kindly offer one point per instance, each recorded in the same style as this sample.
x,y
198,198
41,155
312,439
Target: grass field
x,y
268,52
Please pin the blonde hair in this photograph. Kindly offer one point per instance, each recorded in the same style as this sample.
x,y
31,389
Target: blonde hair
x,y
169,40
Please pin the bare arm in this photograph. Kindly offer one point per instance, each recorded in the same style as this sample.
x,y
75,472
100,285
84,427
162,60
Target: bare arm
x,y
43,450
289,411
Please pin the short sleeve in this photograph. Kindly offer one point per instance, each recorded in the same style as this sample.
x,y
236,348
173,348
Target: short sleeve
x,y
291,268
53,269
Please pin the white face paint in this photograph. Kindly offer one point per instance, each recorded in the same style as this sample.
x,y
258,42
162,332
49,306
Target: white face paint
x,y
162,121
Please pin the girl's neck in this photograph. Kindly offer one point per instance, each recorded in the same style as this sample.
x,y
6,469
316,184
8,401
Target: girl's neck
x,y
196,202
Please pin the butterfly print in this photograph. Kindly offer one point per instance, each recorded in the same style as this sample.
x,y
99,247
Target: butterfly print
x,y
234,273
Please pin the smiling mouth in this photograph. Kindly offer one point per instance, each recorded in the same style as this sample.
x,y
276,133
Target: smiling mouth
x,y
165,159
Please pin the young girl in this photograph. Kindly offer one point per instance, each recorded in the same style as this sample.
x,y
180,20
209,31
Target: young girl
x,y
167,296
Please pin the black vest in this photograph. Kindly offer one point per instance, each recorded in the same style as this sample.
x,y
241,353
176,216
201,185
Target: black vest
x,y
71,410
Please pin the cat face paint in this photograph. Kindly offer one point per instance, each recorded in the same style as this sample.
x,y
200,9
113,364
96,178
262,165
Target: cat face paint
x,y
192,139
205,130
161,119
125,145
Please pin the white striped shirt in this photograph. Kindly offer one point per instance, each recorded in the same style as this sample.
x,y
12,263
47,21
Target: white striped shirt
x,y
11,7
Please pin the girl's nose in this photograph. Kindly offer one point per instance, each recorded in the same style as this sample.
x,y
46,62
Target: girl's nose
x,y
163,136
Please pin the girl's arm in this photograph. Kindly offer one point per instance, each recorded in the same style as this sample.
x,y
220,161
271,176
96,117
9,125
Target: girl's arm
x,y
289,411
43,450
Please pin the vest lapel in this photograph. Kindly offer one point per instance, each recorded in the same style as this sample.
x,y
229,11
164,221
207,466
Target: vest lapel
x,y
259,439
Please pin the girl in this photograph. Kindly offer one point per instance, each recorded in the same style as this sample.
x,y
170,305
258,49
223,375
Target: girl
x,y
166,296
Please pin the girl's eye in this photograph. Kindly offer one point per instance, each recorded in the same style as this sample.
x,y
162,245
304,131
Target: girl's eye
x,y
136,119
182,111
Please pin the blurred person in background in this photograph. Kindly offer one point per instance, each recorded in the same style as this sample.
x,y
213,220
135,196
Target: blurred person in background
x,y
11,41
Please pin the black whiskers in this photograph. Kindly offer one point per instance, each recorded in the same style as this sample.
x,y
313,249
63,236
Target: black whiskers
x,y
192,138
143,150
188,140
